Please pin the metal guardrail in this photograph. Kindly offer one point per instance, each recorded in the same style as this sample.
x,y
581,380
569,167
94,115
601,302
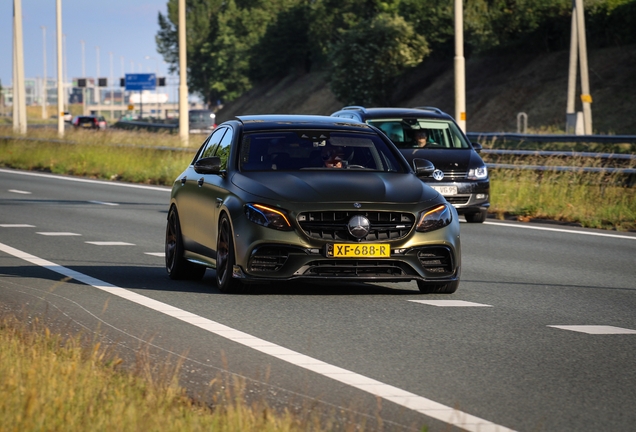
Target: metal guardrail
x,y
131,124
560,138
607,170
560,154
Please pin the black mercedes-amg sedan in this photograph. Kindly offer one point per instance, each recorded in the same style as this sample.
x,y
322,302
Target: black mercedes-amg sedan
x,y
282,197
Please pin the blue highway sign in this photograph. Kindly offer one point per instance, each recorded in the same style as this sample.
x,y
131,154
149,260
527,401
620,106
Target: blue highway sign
x,y
138,82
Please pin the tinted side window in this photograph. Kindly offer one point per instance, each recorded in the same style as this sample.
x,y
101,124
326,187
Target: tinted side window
x,y
209,148
223,149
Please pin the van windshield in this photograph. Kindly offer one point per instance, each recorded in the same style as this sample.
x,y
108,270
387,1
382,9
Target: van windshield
x,y
422,133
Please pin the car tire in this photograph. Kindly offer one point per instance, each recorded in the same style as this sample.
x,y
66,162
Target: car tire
x,y
177,266
438,288
478,217
225,258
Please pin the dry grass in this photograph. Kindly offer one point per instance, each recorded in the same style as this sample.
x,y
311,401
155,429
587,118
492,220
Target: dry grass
x,y
50,383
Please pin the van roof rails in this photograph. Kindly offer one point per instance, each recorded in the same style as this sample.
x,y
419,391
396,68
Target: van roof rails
x,y
430,108
355,107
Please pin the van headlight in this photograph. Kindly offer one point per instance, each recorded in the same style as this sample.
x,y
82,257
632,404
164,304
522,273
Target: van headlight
x,y
435,218
479,173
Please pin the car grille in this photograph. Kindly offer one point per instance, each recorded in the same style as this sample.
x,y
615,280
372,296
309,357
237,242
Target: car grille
x,y
449,175
332,225
436,260
457,200
268,259
357,268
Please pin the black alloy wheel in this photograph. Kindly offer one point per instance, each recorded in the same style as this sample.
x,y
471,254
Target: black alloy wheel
x,y
438,288
225,258
478,217
176,265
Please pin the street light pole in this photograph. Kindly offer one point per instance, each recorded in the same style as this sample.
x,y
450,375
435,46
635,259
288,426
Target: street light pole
x,y
19,95
96,87
112,100
83,76
60,74
44,116
183,77
460,67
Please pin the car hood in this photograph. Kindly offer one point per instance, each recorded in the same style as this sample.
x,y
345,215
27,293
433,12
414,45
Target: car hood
x,y
446,159
335,186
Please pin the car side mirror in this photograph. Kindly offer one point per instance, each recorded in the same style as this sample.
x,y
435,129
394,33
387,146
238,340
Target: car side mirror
x,y
423,167
208,165
477,147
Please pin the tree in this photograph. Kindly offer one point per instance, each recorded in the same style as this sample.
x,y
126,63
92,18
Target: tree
x,y
370,58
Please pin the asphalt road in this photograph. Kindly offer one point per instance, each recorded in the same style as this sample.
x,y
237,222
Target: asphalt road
x,y
88,256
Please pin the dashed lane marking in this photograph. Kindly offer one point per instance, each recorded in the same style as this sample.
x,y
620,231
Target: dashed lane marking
x,y
17,191
104,203
388,392
58,234
109,243
159,254
16,226
595,329
450,303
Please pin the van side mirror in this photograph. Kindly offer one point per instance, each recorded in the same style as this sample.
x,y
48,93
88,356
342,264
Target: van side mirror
x,y
477,147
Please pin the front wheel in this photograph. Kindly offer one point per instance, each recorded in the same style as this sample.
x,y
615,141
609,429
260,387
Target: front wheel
x,y
478,217
438,288
225,259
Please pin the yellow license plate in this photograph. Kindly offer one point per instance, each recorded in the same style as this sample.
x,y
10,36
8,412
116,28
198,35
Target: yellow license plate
x,y
339,250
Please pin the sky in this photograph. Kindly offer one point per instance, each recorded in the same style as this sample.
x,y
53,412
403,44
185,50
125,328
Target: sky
x,y
127,28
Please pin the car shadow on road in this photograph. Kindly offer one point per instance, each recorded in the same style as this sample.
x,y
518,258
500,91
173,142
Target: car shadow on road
x,y
155,278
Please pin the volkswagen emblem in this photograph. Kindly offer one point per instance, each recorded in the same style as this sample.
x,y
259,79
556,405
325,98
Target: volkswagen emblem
x,y
359,226
357,205
438,175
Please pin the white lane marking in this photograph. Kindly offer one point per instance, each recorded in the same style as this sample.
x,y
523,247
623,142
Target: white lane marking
x,y
19,191
595,329
81,180
159,254
16,226
109,243
58,234
401,397
562,230
450,303
103,203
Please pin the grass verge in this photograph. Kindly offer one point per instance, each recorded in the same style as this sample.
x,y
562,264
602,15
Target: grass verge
x,y
55,383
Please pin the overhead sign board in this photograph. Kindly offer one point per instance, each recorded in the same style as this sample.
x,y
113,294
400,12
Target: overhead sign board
x,y
138,82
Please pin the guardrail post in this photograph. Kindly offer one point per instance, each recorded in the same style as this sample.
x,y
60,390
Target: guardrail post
x,y
522,116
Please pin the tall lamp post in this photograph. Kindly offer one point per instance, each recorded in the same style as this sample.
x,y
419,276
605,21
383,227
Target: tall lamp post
x,y
460,67
83,76
96,85
60,74
158,106
44,116
19,95
183,77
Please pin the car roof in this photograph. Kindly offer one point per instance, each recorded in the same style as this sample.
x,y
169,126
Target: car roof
x,y
383,112
296,121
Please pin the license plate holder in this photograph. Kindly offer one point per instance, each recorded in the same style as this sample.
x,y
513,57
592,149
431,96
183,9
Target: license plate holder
x,y
446,190
347,250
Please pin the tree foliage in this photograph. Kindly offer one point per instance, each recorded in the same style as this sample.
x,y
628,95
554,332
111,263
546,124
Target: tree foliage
x,y
371,56
364,45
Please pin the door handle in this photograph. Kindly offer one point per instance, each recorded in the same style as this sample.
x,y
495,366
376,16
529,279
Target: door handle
x,y
200,182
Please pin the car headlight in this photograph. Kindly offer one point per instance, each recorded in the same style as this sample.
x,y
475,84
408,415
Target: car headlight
x,y
268,217
479,173
435,218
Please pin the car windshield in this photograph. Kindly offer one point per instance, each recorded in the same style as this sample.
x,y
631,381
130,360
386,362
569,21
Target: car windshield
x,y
315,150
414,133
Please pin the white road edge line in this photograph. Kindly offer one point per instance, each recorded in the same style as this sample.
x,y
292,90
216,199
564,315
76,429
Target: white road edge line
x,y
562,230
396,395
